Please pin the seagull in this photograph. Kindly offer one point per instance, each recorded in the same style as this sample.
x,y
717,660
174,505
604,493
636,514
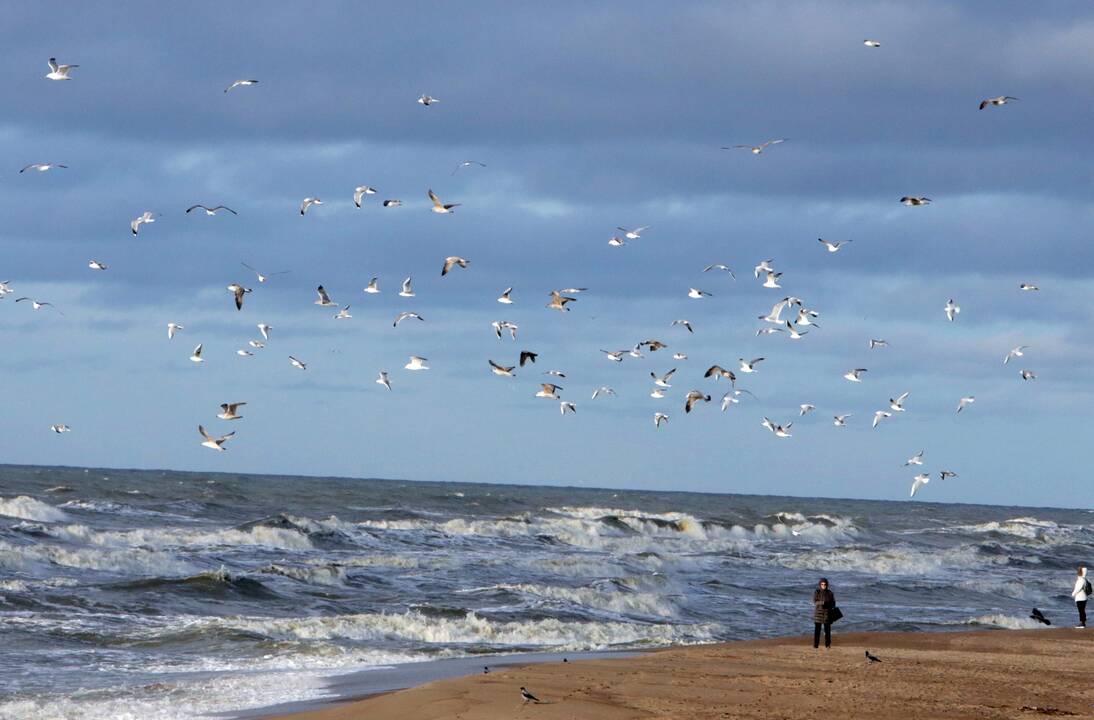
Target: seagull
x,y
1027,375
407,291
916,459
392,203
919,481
614,355
555,373
879,416
871,43
59,72
214,443
942,475
528,696
307,203
96,265
750,366
42,167
573,291
265,330
775,316
764,266
558,301
602,390
360,191
653,345
841,420
501,369
697,294
36,304
756,149
417,363
693,397
406,315
720,266
833,246
853,375
263,278
658,418
879,344
297,363
733,398
427,100
527,356
633,234
467,163
238,291
636,351
968,400
452,261
657,393
912,200
5,289
439,207
806,408
794,333
1016,352
500,325
779,430
373,286
872,658
898,404
244,353
951,309
616,241
679,356
382,379
1039,617
60,428
549,390
196,357
173,328
504,299
1028,287
146,217
996,101
806,317
240,83
210,211
343,314
663,380
228,411
564,405
685,323
324,299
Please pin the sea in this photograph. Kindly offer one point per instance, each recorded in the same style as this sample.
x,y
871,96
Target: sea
x,y
155,594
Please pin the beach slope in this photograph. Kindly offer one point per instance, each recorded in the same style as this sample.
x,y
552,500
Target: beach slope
x,y
988,674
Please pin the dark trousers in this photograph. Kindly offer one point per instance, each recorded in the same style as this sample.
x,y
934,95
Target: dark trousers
x,y
1081,604
827,634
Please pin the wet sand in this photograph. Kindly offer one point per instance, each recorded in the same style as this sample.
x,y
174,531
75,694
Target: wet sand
x,y
987,674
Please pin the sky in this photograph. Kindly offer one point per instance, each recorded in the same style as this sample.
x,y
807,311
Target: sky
x,y
587,116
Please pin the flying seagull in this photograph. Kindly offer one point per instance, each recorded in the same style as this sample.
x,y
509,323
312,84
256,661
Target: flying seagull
x,y
943,474
663,380
502,370
614,355
806,408
392,203
146,217
504,299
173,328
307,203
438,206
879,416
694,397
1028,287
42,167
297,363
720,266
60,428
749,366
265,330
238,291
659,418
841,420
427,100
343,314
558,301
1028,375
833,246
565,406
919,481
878,344
912,200
96,265
37,304
500,325
417,363
951,309
59,72
549,390
360,191
407,290
228,411
263,278
196,357
1016,352
211,210
763,267
897,405
452,261
602,390
772,280
782,431
965,401
685,323
324,299
467,163
916,459
853,375
871,43
698,294
373,286
756,149
527,356
214,443
382,379
240,83
633,234
996,101
616,241
405,316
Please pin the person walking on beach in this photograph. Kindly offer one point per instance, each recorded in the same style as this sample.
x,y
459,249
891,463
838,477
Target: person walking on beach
x,y
1081,592
824,601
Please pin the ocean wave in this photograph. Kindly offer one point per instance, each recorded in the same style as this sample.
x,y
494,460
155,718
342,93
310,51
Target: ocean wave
x,y
894,560
259,535
28,508
329,574
618,601
213,583
131,561
1010,622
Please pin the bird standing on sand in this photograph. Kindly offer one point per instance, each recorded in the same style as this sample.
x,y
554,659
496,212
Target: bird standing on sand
x,y
528,696
872,658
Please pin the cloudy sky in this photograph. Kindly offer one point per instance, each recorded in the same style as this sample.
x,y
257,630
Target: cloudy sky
x,y
588,116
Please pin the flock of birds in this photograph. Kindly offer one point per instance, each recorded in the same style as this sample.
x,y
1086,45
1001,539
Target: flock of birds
x,y
789,315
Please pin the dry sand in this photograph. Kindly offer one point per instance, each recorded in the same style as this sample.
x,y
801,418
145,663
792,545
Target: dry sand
x,y
990,674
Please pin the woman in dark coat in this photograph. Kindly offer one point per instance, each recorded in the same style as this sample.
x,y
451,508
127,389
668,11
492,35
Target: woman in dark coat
x,y
823,603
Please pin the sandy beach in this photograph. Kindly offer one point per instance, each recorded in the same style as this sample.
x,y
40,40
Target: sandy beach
x,y
989,674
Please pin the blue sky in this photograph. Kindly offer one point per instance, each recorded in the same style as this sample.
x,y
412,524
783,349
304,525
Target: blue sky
x,y
587,117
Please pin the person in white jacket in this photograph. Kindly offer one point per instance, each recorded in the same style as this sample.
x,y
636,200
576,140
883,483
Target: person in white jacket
x,y
1080,594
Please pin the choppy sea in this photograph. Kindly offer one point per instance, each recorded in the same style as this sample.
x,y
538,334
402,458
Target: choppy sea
x,y
141,594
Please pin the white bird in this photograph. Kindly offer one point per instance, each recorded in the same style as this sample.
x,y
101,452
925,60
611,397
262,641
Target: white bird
x,y
467,163
439,207
720,266
244,353
59,72
60,428
417,363
697,294
214,443
240,83
265,330
257,344
228,411
1016,352
373,286
451,262
1028,287
360,191
633,234
308,202
36,304
879,416
853,375
392,203
916,459
636,351
756,149
210,211
919,481
685,323
549,390
763,267
343,314
772,280
775,316
657,393
5,289
897,405
406,316
500,325
806,408
679,356
879,344
914,200
750,366
263,278
996,101
565,406
196,357
663,380
795,334
96,265
833,246
659,418
146,217
964,402
779,430
382,379
173,328
951,309
806,317
501,369
1028,375
504,298
407,290
297,363
602,390
871,43
42,167
733,397
616,241
324,299
427,100
614,355
841,420
558,301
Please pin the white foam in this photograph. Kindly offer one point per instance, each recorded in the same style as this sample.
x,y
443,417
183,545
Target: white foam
x,y
259,535
1010,622
28,508
131,561
892,561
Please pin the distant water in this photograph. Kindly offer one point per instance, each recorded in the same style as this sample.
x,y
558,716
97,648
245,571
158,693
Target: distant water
x,y
132,594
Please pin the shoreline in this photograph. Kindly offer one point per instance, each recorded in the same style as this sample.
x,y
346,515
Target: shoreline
x,y
963,674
